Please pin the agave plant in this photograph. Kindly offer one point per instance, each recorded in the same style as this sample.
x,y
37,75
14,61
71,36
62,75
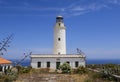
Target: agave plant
x,y
4,44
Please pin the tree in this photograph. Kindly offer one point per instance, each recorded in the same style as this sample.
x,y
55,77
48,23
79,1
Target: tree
x,y
65,67
4,44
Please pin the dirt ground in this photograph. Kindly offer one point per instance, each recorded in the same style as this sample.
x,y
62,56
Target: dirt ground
x,y
51,78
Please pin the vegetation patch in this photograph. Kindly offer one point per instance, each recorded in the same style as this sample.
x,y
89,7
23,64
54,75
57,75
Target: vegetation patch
x,y
65,67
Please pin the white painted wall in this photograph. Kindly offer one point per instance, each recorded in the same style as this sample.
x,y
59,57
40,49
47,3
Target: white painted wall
x,y
5,66
34,62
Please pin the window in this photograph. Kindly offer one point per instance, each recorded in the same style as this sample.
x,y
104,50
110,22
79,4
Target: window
x,y
48,64
0,68
58,53
68,62
58,39
39,64
59,24
76,64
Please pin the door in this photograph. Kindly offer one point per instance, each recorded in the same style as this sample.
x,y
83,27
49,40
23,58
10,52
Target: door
x,y
57,65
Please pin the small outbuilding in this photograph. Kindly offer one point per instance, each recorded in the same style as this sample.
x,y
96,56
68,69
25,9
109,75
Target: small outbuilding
x,y
5,64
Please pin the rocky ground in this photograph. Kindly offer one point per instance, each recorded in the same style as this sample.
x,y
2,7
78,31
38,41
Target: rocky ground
x,y
51,78
46,75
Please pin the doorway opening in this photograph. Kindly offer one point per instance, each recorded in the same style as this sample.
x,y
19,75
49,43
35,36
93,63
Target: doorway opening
x,y
57,65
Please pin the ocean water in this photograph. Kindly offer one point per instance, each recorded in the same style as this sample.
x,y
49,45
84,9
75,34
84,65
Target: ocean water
x,y
103,61
26,62
88,61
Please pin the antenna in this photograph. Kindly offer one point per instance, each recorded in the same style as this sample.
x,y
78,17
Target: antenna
x,y
79,51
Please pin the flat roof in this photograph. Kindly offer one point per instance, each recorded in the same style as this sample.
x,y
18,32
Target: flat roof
x,y
57,56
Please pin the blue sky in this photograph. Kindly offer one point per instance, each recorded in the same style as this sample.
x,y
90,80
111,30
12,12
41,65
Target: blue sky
x,y
92,26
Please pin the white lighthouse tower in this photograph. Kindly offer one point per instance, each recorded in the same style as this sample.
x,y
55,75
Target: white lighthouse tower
x,y
59,37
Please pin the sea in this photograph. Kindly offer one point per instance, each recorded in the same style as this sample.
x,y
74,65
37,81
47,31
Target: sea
x,y
26,62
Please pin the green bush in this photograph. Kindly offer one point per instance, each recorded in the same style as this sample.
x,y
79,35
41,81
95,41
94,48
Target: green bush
x,y
7,79
10,76
65,67
80,70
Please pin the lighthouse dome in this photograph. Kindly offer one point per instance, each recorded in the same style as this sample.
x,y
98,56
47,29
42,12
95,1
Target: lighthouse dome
x,y
59,17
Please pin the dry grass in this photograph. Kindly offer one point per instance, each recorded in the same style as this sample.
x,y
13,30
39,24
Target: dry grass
x,y
51,78
79,78
42,75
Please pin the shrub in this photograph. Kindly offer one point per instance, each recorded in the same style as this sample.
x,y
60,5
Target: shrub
x,y
12,75
7,79
23,69
80,70
65,67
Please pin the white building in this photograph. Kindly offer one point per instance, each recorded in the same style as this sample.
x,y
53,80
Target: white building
x,y
5,64
59,55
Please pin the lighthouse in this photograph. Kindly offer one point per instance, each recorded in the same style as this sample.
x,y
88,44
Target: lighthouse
x,y
59,37
59,56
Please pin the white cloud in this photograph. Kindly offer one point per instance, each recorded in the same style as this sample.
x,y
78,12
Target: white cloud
x,y
75,8
114,1
79,13
78,8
